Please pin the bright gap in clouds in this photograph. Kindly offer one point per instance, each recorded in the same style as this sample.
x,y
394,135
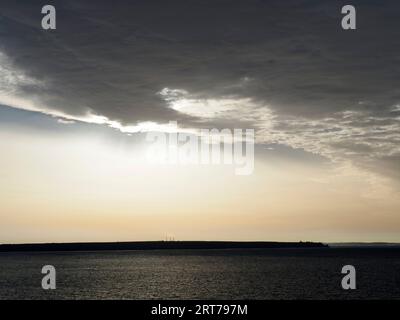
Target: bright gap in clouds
x,y
236,109
12,79
350,139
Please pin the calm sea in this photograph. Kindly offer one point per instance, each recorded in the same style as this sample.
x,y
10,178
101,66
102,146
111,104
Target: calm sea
x,y
203,274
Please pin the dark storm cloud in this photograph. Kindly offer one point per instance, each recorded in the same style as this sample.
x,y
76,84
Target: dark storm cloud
x,y
114,57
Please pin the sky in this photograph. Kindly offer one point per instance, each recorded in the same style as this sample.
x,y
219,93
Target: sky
x,y
76,104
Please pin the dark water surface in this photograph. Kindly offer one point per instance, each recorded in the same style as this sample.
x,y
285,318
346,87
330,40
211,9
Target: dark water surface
x,y
203,274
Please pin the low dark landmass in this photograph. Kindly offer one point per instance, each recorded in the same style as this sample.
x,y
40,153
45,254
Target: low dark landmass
x,y
156,245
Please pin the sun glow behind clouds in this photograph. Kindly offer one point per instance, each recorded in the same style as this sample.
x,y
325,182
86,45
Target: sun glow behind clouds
x,y
83,186
345,136
79,187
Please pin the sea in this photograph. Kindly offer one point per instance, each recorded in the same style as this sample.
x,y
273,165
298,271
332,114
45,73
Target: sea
x,y
236,274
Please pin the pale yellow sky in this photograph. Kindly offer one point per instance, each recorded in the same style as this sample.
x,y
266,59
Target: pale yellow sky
x,y
86,187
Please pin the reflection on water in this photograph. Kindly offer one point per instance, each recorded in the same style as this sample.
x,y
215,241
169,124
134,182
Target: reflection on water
x,y
203,274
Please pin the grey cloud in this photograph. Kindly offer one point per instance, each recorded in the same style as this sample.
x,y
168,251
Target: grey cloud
x,y
113,57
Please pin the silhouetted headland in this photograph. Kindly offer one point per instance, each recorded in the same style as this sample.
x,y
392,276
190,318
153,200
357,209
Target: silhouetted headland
x,y
156,245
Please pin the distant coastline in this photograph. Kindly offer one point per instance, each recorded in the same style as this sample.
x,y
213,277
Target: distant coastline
x,y
156,245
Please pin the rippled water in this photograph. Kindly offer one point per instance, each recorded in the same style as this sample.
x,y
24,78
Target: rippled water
x,y
203,274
